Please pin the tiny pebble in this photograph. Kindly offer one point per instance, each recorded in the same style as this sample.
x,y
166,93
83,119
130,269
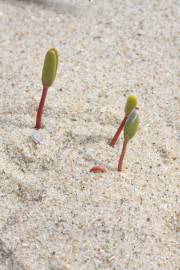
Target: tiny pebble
x,y
27,157
37,138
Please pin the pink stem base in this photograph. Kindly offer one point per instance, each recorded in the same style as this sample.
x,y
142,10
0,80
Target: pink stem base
x,y
116,136
120,164
41,107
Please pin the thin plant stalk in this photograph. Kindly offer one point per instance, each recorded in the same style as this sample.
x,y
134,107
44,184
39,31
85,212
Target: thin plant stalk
x,y
131,104
48,76
130,130
41,107
118,132
120,164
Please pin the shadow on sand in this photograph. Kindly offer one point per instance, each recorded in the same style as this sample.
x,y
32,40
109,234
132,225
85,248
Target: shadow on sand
x,y
58,6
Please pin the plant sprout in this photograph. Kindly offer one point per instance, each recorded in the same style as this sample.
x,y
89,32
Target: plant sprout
x,y
98,169
131,104
130,130
48,76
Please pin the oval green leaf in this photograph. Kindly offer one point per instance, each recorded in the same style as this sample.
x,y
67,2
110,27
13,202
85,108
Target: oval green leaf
x,y
131,104
50,67
131,125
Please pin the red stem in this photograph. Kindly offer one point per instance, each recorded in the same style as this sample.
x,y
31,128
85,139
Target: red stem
x,y
41,107
122,155
116,136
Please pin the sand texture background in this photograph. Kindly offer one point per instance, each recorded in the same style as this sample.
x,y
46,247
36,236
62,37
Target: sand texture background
x,y
54,214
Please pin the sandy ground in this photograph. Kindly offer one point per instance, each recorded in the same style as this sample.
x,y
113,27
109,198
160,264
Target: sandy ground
x,y
54,214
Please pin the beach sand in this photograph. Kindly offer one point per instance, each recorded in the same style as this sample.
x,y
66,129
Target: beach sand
x,y
54,214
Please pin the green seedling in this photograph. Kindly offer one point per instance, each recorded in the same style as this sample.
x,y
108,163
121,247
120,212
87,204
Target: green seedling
x,y
130,130
131,104
48,76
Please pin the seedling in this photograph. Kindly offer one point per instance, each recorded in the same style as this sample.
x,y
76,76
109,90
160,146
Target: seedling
x,y
131,104
98,169
130,130
48,76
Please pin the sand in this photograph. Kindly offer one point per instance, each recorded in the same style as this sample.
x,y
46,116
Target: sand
x,y
54,214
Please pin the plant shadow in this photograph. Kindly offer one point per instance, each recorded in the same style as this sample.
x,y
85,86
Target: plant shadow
x,y
92,139
57,6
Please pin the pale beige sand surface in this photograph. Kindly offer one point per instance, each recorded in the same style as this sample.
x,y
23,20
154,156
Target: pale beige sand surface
x,y
54,214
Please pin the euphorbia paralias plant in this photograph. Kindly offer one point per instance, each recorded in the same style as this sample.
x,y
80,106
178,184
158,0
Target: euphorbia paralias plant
x,y
98,169
48,76
131,104
130,129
